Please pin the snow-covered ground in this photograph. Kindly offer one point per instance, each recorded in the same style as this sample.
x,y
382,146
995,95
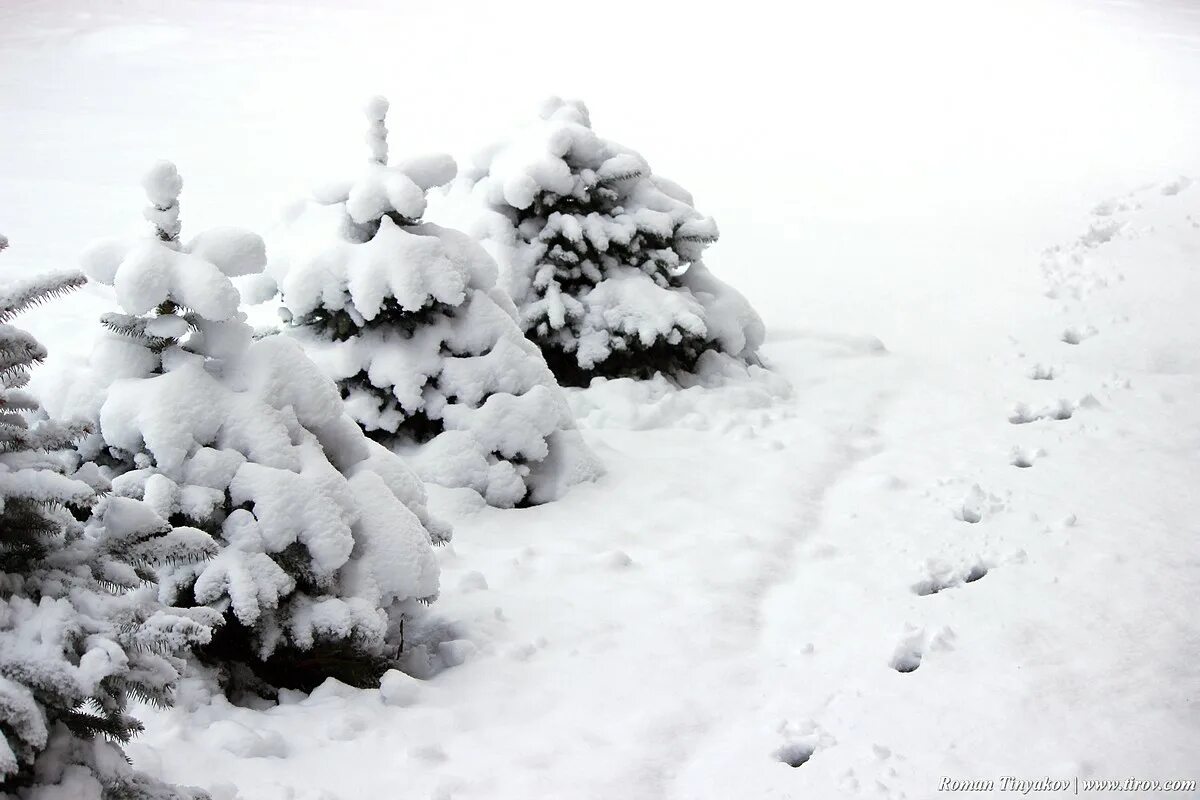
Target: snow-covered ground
x,y
952,533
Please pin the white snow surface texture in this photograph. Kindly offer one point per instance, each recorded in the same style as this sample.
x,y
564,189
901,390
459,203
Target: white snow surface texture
x,y
507,430
899,187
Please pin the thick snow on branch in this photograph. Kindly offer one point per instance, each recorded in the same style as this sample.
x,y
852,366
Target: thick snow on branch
x,y
597,252
406,316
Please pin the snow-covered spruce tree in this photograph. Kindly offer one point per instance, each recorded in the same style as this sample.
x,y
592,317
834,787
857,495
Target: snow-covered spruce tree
x,y
407,317
322,537
80,631
603,257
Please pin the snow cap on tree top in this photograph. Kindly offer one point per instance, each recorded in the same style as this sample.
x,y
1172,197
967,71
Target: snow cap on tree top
x,y
376,110
549,156
195,275
163,185
566,110
382,189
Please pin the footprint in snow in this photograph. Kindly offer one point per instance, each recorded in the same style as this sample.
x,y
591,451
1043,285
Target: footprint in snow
x,y
1063,409
1112,206
1075,334
1101,231
795,754
1023,413
1023,458
916,643
1042,372
940,576
430,753
909,652
614,560
801,742
1176,186
975,505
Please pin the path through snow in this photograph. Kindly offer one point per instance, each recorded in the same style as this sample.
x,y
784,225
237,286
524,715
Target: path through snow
x,y
961,612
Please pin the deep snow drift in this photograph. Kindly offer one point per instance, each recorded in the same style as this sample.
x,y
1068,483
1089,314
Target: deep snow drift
x,y
950,533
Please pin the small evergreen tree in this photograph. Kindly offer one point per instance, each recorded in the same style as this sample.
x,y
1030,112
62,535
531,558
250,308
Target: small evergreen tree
x,y
81,632
322,542
407,317
604,257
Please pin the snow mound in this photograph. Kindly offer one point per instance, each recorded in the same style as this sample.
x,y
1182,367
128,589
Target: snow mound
x,y
722,388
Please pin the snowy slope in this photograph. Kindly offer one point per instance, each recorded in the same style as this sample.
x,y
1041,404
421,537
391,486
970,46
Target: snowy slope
x,y
929,202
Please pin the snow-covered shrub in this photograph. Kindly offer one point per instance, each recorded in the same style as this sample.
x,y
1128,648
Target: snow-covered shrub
x,y
80,631
321,537
602,258
407,318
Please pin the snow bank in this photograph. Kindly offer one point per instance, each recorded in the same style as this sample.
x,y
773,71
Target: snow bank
x,y
722,389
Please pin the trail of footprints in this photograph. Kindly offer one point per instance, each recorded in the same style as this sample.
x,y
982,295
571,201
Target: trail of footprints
x,y
1069,281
